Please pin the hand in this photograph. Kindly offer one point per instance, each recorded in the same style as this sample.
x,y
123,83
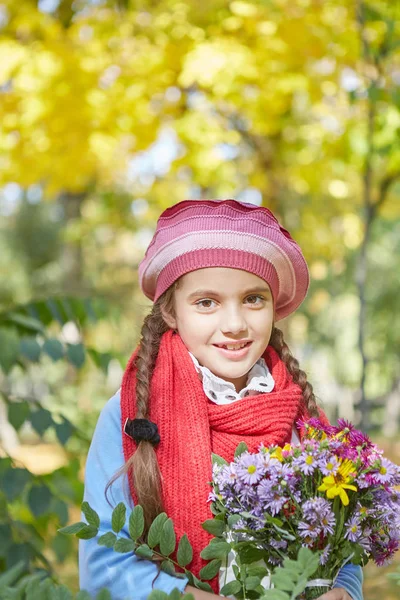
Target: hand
x,y
336,594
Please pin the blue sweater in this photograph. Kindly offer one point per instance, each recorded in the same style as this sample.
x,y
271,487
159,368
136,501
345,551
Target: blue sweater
x,y
126,576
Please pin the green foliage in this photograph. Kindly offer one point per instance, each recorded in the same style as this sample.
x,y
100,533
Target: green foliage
x,y
31,505
168,539
214,526
136,523
185,551
291,579
118,517
242,447
155,530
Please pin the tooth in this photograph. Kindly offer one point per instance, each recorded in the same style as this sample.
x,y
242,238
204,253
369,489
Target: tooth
x,y
233,347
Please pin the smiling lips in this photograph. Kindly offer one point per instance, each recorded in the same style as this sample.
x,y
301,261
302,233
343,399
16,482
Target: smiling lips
x,y
233,346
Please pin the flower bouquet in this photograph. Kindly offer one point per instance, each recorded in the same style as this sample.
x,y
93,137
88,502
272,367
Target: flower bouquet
x,y
333,493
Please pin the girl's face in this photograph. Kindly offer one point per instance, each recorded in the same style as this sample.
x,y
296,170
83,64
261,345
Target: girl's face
x,y
219,306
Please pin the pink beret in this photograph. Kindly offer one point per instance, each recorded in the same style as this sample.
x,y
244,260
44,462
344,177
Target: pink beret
x,y
195,234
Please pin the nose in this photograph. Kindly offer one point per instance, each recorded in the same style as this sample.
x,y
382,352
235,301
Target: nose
x,y
233,321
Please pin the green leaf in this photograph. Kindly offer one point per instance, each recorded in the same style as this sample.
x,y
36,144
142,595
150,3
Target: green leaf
x,y
19,552
41,420
252,582
9,348
91,515
73,529
60,508
118,517
13,574
64,430
101,359
249,554
175,594
5,537
63,593
168,567
108,539
233,519
124,545
283,581
23,322
214,526
144,551
185,552
202,585
30,348
242,447
83,595
62,547
14,481
39,499
87,533
18,413
168,539
104,595
76,354
275,595
257,571
154,536
215,550
218,460
157,595
190,577
54,349
54,307
136,523
293,565
300,586
231,588
210,570
308,560
187,597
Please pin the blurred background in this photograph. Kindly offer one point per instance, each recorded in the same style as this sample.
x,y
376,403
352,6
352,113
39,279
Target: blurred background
x,y
113,110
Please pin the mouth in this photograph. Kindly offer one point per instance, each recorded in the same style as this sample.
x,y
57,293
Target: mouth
x,y
233,347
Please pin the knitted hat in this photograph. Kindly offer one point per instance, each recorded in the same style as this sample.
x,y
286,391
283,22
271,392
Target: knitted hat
x,y
195,234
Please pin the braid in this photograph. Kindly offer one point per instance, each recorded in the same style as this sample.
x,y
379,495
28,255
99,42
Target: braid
x,y
143,464
292,365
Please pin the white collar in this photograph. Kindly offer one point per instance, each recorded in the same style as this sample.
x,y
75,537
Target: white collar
x,y
259,380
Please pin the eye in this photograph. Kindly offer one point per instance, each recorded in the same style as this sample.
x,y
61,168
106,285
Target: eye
x,y
203,303
253,299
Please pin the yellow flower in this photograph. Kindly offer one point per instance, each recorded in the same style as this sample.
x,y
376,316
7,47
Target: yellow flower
x,y
336,485
277,454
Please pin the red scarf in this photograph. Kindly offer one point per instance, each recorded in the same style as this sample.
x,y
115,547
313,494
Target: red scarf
x,y
191,427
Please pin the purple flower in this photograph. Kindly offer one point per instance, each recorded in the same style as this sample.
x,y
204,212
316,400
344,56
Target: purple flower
x,y
318,511
325,555
353,529
249,468
271,495
387,471
309,532
329,464
306,462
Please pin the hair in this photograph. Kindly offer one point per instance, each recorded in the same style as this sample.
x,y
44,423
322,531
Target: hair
x,y
143,465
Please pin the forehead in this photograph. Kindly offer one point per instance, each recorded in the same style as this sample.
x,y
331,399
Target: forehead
x,y
220,279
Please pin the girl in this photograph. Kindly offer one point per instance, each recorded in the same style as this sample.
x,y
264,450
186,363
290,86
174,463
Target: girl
x,y
211,370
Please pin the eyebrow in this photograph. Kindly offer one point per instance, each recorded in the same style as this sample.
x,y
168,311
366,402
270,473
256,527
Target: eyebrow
x,y
253,290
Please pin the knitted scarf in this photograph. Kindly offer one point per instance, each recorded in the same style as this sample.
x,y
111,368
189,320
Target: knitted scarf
x,y
192,427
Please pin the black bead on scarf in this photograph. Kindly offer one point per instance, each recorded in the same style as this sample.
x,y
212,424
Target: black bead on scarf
x,y
142,430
